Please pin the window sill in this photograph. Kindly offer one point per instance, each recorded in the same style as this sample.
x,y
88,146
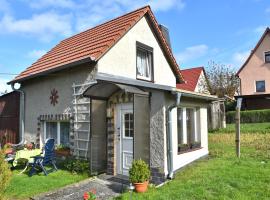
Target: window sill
x,y
189,150
144,79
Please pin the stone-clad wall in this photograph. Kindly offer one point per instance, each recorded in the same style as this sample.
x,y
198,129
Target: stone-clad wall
x,y
157,137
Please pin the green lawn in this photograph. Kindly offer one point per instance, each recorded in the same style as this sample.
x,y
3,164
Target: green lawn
x,y
23,187
222,175
246,128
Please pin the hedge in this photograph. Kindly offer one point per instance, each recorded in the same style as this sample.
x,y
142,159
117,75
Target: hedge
x,y
250,116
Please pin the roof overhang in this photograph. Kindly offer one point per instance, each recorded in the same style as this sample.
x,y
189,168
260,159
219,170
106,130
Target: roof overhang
x,y
56,69
103,90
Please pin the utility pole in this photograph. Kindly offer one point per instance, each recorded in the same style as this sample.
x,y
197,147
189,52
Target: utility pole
x,y
237,126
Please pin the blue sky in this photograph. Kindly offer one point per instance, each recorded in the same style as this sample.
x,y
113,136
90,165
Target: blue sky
x,y
201,30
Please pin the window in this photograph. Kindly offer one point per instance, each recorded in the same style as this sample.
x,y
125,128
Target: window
x,y
267,57
144,62
128,117
260,86
188,129
59,131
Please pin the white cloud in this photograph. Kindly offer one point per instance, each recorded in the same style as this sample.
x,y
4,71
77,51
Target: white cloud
x,y
3,85
51,3
192,52
36,53
239,58
44,25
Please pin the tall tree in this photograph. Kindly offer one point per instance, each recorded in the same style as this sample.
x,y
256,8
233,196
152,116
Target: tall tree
x,y
222,79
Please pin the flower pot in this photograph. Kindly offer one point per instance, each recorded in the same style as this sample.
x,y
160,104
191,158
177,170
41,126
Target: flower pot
x,y
141,187
63,152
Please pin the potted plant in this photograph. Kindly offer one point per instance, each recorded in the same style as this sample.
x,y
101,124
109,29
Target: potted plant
x,y
62,150
196,145
139,175
183,147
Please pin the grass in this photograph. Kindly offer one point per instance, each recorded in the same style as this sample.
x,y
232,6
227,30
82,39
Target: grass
x,y
23,187
246,128
222,175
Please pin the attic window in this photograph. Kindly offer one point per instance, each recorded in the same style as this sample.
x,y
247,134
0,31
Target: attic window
x,y
144,62
267,57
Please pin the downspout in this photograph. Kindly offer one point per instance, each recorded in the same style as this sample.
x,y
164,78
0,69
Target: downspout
x,y
170,133
22,98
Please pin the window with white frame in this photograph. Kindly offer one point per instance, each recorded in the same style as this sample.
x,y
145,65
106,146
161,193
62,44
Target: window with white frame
x,y
260,86
267,57
58,130
128,123
189,137
144,62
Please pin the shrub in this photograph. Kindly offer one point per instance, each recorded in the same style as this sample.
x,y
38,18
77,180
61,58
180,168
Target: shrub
x,y
139,172
77,166
5,175
250,116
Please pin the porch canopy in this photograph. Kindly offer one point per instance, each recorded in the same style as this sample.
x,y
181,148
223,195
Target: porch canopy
x,y
103,90
99,93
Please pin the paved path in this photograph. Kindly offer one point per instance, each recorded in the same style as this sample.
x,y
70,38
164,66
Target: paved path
x,y
105,190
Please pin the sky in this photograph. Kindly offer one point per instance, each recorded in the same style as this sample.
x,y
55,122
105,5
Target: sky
x,y
224,31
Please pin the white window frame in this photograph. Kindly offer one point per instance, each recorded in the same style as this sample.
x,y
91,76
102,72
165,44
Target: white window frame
x,y
58,130
264,54
255,83
149,50
123,125
196,125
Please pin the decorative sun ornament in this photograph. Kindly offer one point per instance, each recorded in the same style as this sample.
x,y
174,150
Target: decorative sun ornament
x,y
54,97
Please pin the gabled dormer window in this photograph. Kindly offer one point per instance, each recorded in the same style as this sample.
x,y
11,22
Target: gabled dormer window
x,y
144,62
267,57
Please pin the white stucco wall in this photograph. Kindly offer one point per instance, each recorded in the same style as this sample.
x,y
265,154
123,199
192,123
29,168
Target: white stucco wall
x,y
180,160
201,86
38,92
120,60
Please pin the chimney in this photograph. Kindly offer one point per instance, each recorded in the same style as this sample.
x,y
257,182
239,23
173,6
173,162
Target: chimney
x,y
166,34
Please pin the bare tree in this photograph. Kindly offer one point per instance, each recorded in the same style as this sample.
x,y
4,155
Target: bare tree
x,y
222,79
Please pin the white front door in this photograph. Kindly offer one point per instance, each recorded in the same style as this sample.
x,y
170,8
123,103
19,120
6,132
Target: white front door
x,y
124,130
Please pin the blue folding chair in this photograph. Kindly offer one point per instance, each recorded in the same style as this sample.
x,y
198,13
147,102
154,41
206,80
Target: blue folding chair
x,y
45,159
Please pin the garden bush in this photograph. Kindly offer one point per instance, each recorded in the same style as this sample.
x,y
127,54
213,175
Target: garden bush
x,y
250,116
77,166
5,175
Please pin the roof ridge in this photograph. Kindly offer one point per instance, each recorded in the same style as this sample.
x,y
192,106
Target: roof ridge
x,y
106,22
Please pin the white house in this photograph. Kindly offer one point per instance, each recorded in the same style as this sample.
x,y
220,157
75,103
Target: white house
x,y
110,94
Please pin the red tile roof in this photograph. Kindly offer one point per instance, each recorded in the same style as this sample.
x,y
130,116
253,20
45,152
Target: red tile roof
x,y
94,43
191,77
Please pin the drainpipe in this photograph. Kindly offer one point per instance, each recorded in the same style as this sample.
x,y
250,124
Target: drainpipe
x,y
21,111
170,133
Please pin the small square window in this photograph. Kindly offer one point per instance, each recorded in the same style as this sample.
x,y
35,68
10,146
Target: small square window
x,y
260,86
144,62
267,57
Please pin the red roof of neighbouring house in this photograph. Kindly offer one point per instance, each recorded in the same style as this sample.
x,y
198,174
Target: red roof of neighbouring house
x,y
191,77
92,44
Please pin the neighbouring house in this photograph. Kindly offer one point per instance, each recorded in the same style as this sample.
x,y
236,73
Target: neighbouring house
x,y
9,118
110,94
196,81
254,76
